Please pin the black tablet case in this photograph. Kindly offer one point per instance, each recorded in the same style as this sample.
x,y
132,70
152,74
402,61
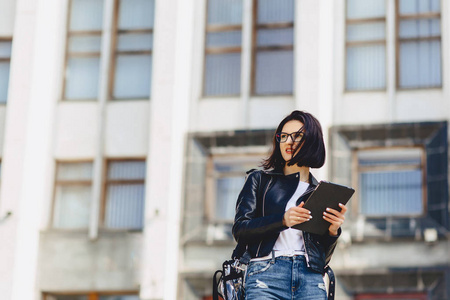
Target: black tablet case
x,y
326,194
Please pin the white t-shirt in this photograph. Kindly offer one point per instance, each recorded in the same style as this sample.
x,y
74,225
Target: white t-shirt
x,y
292,239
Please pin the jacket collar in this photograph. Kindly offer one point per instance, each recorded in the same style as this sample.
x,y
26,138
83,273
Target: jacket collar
x,y
313,181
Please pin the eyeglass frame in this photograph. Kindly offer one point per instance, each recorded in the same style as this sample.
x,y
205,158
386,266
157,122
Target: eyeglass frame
x,y
278,136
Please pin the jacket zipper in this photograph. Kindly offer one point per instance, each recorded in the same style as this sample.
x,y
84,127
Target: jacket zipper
x,y
264,201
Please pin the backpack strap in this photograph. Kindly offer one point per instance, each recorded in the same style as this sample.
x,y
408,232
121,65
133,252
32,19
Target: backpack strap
x,y
215,284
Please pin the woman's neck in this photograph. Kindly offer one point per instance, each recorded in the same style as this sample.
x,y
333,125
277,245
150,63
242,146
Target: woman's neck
x,y
304,171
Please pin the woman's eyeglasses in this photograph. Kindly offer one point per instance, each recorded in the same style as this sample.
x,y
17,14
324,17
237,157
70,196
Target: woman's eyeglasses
x,y
282,137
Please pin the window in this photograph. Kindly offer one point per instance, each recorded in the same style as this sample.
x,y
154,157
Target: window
x,y
227,175
419,44
273,55
417,53
400,173
272,44
222,74
83,50
366,45
391,182
133,49
91,296
73,194
125,194
5,57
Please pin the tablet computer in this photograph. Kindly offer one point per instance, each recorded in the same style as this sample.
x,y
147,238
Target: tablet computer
x,y
326,194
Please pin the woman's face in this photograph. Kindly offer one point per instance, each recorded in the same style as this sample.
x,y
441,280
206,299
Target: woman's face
x,y
292,127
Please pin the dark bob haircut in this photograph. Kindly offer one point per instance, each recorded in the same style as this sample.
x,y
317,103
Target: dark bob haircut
x,y
312,151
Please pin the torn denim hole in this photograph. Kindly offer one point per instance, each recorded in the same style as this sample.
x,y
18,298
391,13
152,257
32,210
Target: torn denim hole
x,y
261,284
322,286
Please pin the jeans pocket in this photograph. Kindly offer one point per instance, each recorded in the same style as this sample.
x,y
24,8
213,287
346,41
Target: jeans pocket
x,y
258,267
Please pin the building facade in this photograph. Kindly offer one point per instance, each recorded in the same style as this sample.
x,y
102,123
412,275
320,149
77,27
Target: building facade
x,y
126,128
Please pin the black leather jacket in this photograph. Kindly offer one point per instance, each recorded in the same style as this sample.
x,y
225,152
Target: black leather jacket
x,y
259,217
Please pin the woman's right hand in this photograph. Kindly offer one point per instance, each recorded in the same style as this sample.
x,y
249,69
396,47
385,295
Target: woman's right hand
x,y
296,215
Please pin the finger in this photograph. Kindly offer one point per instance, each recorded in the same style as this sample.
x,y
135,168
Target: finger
x,y
343,208
332,217
300,210
301,217
301,204
333,222
334,212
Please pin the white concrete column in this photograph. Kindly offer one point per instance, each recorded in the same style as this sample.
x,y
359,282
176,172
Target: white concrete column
x,y
171,91
28,140
325,80
15,140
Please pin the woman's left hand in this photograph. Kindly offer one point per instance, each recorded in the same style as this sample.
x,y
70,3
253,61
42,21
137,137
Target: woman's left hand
x,y
336,218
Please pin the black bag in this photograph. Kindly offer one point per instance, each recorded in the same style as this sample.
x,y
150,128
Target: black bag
x,y
230,284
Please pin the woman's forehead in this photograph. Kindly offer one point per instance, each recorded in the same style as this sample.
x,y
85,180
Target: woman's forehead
x,y
292,126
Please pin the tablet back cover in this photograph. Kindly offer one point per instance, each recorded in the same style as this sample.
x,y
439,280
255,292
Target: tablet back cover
x,y
327,194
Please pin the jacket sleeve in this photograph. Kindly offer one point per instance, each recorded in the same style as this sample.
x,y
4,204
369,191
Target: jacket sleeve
x,y
329,243
249,226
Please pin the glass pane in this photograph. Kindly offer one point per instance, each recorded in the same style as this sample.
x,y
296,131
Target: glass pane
x,y
420,64
133,76
226,194
275,37
366,67
357,9
274,73
222,74
74,171
85,44
224,12
82,78
136,14
5,49
366,32
224,39
135,42
120,297
4,81
72,206
86,15
126,170
275,11
391,193
125,206
408,7
420,28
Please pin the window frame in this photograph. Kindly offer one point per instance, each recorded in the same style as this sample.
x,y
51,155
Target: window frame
x,y
255,48
219,50
115,32
211,178
363,43
105,184
399,40
8,60
357,170
69,54
57,183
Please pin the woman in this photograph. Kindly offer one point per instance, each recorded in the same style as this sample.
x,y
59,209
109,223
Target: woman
x,y
286,263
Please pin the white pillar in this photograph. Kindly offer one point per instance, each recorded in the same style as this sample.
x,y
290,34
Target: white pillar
x,y
28,138
171,93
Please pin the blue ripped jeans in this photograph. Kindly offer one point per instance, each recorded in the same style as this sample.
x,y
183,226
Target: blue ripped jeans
x,y
283,278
